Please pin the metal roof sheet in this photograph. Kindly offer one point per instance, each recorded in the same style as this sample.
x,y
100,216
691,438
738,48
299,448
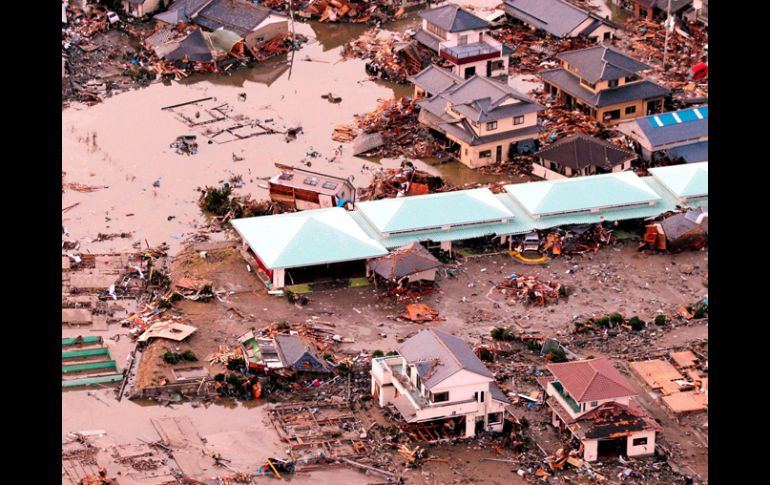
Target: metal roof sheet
x,y
582,193
307,238
684,181
454,18
556,17
433,211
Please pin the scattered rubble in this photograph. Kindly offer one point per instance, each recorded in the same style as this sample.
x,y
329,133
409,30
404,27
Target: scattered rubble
x,y
392,57
531,291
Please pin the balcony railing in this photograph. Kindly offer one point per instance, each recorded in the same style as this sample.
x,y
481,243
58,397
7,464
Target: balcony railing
x,y
567,398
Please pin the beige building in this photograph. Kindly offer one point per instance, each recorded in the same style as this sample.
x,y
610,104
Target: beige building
x,y
592,400
579,155
140,8
484,118
561,19
602,82
464,40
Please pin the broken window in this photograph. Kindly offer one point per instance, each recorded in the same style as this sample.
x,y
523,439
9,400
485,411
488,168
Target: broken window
x,y
640,441
611,115
495,418
485,154
441,397
613,83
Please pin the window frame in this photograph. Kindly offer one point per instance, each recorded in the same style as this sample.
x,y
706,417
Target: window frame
x,y
520,117
485,154
437,397
491,125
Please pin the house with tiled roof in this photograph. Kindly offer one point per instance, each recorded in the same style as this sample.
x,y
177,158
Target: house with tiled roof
x,y
603,83
592,400
436,379
483,118
579,155
464,40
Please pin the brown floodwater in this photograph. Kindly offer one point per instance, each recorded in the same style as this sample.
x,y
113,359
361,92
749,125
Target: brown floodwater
x,y
123,143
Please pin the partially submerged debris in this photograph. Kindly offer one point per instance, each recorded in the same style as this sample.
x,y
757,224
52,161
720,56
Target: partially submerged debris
x,y
531,291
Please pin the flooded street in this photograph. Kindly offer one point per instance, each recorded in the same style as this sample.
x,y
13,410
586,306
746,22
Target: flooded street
x,y
123,143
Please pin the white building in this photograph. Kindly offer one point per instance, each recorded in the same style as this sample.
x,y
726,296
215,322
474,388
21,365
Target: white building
x,y
463,39
436,377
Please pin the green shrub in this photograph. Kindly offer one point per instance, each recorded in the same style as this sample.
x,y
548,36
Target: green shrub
x,y
235,364
343,367
216,200
377,353
604,322
392,352
700,312
234,379
171,358
501,333
219,377
636,323
485,355
557,355
189,356
616,318
660,320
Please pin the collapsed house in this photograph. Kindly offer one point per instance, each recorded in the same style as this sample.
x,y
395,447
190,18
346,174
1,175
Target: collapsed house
x,y
252,23
580,155
299,189
436,378
334,243
682,134
408,264
592,400
295,353
560,19
657,9
679,232
464,40
487,120
602,82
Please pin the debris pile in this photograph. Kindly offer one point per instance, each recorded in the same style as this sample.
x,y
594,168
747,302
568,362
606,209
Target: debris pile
x,y
406,180
396,129
392,57
224,206
646,41
531,291
356,11
535,50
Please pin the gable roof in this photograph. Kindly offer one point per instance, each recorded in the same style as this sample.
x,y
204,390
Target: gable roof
x,y
454,18
601,63
439,355
684,181
404,261
307,238
551,197
556,17
591,380
420,212
481,99
196,47
291,348
667,128
570,83
434,79
579,151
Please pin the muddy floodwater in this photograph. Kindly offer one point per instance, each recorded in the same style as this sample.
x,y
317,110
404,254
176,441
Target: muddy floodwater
x,y
147,189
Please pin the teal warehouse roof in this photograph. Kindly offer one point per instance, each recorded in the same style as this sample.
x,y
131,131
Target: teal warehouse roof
x,y
684,181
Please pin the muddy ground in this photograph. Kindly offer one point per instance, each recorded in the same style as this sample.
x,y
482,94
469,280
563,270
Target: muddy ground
x,y
122,145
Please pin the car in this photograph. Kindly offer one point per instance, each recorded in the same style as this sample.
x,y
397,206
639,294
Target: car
x,y
112,18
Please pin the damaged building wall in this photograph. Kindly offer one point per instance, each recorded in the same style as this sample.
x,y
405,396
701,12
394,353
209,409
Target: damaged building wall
x,y
140,8
272,27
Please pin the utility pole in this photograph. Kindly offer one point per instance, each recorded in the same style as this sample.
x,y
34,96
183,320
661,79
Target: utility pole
x,y
665,45
294,36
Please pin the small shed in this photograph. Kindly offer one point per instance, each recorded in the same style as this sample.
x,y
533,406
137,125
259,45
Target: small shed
x,y
297,353
412,261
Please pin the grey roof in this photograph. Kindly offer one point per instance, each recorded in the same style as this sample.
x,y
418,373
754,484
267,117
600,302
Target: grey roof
x,y
498,394
601,63
238,16
660,136
482,98
682,223
580,151
195,47
607,97
427,39
465,133
692,153
404,261
556,17
291,348
454,18
434,79
440,355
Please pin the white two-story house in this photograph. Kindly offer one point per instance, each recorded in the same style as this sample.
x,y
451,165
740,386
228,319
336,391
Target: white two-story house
x,y
436,377
596,404
463,39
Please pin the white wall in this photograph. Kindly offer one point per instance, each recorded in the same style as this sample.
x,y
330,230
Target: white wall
x,y
641,450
